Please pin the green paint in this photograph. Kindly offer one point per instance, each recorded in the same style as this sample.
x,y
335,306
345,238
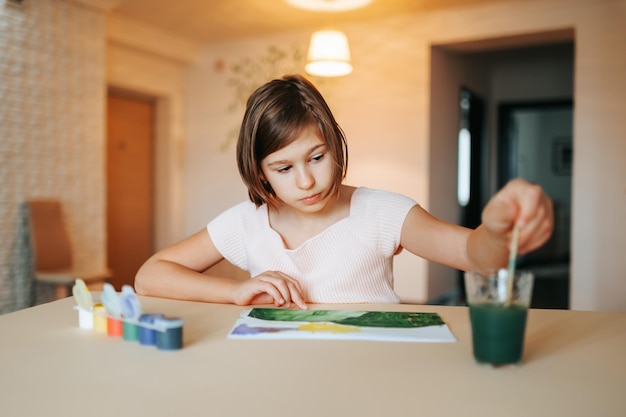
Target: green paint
x,y
394,319
498,332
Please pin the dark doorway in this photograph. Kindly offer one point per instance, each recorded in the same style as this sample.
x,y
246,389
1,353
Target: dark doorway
x,y
535,143
526,68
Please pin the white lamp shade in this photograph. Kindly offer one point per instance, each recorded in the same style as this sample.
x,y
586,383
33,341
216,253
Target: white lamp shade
x,y
329,54
329,5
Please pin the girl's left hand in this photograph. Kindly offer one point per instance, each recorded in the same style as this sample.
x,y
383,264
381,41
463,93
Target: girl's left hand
x,y
526,205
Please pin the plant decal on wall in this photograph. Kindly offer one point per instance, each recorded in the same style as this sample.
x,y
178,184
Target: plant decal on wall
x,y
247,74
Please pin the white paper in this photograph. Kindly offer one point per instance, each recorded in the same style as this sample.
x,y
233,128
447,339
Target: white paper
x,y
331,325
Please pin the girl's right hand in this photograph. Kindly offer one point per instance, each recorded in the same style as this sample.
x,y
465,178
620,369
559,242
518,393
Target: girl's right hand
x,y
267,288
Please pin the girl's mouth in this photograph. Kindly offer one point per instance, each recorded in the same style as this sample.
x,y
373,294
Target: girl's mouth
x,y
312,199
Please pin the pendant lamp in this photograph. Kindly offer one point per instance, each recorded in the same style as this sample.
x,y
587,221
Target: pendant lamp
x,y
329,54
329,5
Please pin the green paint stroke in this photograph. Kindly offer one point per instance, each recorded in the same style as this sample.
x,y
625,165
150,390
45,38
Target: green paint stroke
x,y
386,319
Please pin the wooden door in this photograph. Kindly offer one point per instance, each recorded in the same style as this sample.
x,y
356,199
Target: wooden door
x,y
130,149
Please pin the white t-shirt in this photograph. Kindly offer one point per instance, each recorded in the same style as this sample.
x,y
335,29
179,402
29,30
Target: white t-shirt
x,y
349,262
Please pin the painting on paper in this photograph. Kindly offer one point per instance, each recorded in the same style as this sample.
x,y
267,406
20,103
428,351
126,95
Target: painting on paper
x,y
276,323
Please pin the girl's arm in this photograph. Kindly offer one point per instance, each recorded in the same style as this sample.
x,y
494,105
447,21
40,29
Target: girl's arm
x,y
176,272
487,246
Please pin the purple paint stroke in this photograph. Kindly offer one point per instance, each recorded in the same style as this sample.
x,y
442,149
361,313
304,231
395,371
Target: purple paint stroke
x,y
245,330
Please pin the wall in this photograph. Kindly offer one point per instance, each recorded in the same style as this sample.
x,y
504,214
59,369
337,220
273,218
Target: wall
x,y
150,62
51,129
598,224
52,68
599,175
384,108
213,182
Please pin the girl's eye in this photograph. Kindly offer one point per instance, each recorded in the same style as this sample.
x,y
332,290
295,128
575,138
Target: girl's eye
x,y
284,169
318,157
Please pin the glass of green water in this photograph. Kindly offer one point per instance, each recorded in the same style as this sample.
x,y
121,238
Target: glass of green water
x,y
498,310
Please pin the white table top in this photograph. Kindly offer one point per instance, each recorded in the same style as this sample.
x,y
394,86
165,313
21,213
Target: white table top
x,y
574,365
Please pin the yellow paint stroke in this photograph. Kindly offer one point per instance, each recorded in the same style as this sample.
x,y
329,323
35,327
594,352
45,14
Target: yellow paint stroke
x,y
328,327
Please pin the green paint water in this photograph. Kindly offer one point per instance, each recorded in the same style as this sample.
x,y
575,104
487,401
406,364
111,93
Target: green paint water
x,y
498,333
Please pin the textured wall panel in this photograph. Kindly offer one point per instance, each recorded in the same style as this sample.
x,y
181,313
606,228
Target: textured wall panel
x,y
51,133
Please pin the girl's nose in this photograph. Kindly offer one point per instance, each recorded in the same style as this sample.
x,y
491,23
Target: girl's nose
x,y
305,179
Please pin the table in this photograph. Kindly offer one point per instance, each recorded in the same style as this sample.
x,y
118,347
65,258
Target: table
x,y
574,365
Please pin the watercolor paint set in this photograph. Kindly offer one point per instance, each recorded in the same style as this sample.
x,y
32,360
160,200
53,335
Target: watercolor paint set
x,y
120,315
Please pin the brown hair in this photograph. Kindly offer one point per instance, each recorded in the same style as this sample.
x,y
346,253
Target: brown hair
x,y
276,114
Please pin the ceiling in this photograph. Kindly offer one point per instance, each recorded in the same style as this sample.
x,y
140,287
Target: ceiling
x,y
219,20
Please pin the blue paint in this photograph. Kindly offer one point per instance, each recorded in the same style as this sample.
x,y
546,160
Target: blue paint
x,y
147,334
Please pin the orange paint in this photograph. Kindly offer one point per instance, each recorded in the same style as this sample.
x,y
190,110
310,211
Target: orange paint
x,y
115,327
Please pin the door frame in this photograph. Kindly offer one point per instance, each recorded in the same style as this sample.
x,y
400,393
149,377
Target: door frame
x,y
168,159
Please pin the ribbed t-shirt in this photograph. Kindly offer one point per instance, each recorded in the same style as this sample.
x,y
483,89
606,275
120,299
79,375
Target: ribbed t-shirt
x,y
349,262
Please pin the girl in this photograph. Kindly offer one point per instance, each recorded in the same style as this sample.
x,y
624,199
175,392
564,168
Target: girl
x,y
306,237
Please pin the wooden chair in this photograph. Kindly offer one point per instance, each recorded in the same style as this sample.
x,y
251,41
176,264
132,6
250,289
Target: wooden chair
x,y
52,250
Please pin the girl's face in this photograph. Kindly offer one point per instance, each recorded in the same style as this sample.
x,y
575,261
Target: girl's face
x,y
301,173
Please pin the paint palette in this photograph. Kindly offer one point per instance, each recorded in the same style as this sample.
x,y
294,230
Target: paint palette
x,y
120,315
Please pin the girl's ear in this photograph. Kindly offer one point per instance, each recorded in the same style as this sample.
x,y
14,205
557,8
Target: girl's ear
x,y
266,185
262,176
